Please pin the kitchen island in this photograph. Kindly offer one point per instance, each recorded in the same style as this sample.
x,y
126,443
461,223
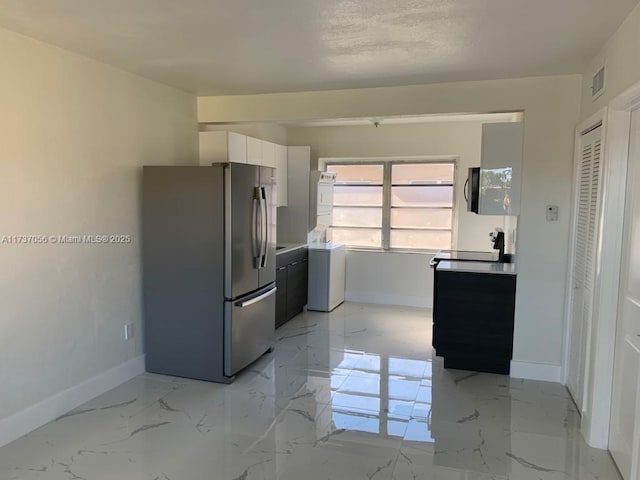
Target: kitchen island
x,y
473,314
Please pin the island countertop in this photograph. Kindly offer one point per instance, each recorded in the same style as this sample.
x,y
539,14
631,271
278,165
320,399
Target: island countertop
x,y
476,267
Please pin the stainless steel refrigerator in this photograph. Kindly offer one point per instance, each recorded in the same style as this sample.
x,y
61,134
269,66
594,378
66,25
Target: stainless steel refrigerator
x,y
209,238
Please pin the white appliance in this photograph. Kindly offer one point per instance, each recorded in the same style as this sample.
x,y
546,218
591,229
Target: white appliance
x,y
327,266
320,205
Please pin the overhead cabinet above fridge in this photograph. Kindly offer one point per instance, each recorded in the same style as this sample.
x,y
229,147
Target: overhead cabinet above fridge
x,y
494,187
222,146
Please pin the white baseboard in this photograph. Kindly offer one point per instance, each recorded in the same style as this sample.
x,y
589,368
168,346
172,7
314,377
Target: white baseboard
x,y
21,423
594,439
383,299
536,371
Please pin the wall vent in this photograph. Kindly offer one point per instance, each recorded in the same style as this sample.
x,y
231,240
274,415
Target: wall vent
x,y
597,84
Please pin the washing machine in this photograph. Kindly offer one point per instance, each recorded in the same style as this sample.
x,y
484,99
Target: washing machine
x,y
327,269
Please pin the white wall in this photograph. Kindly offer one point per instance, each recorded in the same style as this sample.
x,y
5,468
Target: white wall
x,y
551,106
74,134
403,273
621,54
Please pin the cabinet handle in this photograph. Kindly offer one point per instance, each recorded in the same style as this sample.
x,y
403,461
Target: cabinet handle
x,y
282,268
294,263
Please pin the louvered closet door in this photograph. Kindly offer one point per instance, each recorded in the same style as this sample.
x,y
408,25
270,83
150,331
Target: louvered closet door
x,y
585,225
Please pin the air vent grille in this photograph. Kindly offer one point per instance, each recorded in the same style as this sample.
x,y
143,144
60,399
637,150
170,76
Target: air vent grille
x,y
597,85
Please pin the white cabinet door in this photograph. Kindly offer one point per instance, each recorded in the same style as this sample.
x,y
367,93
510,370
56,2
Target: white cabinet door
x,y
222,147
501,168
254,151
237,145
268,154
295,218
281,174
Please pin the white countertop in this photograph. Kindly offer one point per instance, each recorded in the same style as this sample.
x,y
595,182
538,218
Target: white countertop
x,y
325,246
476,267
288,247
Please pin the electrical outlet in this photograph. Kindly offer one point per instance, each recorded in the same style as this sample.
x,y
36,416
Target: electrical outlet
x,y
128,331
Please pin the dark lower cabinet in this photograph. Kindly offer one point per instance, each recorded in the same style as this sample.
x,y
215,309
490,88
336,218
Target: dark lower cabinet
x,y
297,283
281,295
292,282
473,320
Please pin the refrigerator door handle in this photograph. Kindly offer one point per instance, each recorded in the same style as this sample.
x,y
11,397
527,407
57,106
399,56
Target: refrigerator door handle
x,y
255,246
264,217
260,235
257,299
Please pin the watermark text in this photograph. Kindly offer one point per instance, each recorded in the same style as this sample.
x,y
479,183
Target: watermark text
x,y
84,239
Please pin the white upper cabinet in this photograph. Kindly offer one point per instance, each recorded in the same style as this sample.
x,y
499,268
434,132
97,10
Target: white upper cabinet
x,y
268,154
221,147
254,151
237,147
281,174
501,168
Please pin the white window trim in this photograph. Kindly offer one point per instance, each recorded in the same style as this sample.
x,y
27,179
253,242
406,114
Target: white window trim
x,y
323,161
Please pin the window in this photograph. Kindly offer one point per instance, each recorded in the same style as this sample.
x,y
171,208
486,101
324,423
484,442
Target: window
x,y
393,205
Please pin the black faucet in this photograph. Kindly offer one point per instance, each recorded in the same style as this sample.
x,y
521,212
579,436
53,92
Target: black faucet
x,y
498,244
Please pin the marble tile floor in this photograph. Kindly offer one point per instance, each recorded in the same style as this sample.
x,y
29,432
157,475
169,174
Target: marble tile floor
x,y
353,394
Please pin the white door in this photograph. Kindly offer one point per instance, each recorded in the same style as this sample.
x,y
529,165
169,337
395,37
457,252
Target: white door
x,y
624,431
585,222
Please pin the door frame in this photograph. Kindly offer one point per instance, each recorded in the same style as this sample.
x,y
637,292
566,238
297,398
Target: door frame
x,y
601,348
595,120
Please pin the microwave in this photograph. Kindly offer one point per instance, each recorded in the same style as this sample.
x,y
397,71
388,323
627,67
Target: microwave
x,y
488,191
472,190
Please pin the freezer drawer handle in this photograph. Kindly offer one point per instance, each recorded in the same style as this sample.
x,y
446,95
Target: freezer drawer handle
x,y
246,303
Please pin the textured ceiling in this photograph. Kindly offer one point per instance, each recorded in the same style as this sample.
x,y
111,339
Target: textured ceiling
x,y
220,47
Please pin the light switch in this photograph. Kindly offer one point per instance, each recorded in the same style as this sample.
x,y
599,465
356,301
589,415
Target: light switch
x,y
552,213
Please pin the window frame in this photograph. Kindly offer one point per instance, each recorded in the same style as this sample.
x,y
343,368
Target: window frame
x,y
386,228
